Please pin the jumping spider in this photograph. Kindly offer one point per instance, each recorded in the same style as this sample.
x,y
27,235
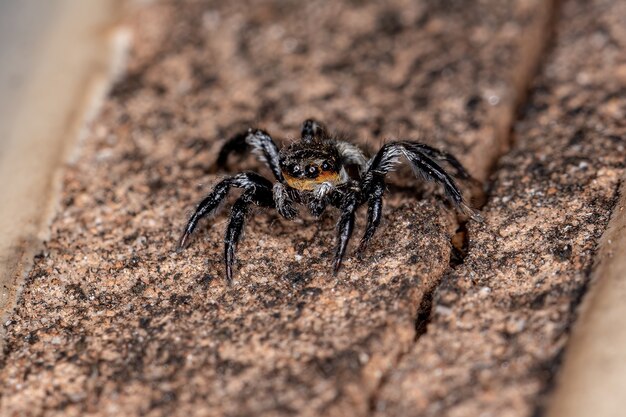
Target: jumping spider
x,y
312,172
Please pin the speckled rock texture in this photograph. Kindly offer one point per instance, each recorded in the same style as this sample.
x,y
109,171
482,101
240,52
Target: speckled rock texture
x,y
501,320
113,322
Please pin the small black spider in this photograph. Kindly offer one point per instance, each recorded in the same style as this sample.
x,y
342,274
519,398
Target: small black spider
x,y
312,172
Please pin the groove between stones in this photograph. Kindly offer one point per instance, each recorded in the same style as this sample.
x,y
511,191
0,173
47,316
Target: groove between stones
x,y
533,49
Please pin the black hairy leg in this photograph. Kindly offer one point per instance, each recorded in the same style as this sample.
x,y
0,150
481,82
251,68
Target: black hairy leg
x,y
249,181
352,155
421,160
348,203
262,145
235,144
312,129
459,169
374,197
260,197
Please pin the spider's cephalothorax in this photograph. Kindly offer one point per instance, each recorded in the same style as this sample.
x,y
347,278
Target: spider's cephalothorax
x,y
312,172
306,165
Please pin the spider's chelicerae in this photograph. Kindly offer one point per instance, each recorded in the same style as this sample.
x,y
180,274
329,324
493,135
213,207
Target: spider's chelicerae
x,y
312,172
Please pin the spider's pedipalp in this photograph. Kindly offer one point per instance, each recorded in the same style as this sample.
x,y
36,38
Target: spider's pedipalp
x,y
284,204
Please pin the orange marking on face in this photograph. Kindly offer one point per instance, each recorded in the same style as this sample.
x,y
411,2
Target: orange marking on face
x,y
309,184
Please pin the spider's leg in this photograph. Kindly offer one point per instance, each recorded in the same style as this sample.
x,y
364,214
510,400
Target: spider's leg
x,y
260,197
374,212
207,206
434,153
422,164
352,155
348,207
236,144
265,148
312,129
262,145
210,204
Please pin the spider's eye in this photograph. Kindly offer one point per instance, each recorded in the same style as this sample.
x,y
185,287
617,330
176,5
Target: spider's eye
x,y
295,169
326,166
312,171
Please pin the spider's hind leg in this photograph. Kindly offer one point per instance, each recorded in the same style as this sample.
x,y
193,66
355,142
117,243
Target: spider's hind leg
x,y
312,129
234,145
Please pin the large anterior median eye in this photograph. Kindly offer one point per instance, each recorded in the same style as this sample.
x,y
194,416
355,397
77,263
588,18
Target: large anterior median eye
x,y
326,166
312,171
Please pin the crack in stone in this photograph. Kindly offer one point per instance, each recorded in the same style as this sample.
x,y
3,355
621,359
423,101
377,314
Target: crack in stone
x,y
460,245
538,49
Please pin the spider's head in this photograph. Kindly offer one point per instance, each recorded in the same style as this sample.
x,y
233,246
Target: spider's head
x,y
308,164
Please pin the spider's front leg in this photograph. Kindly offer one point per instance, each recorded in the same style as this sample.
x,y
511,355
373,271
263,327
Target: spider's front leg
x,y
257,190
422,159
260,197
440,155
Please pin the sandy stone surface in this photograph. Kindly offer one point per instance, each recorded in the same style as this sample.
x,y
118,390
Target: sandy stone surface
x,y
52,63
113,322
500,321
